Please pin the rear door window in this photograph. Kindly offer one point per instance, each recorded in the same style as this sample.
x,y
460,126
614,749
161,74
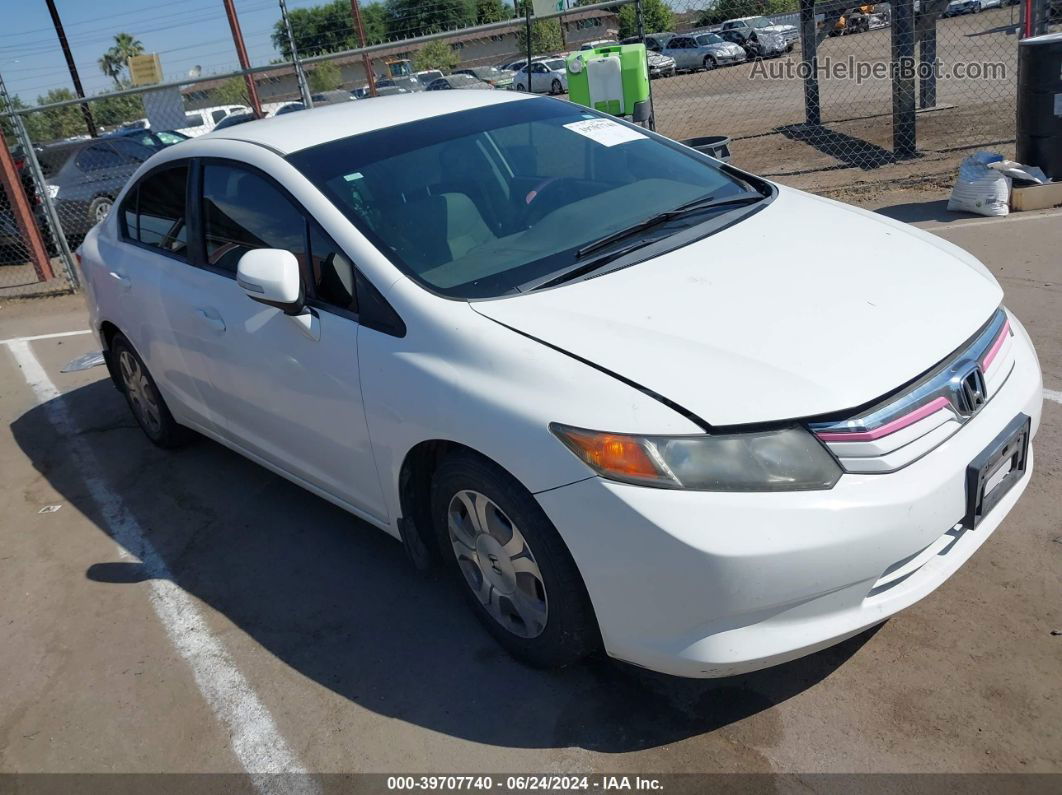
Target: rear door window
x,y
154,212
98,157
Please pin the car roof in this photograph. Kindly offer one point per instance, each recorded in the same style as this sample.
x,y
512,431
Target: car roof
x,y
292,132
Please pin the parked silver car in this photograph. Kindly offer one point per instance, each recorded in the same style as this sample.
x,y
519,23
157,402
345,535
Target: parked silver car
x,y
789,34
660,65
701,51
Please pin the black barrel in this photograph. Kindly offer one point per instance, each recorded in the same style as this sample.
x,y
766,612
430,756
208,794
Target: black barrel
x,y
1039,134
718,146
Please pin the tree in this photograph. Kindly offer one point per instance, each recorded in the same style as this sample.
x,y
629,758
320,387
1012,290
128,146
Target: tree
x,y
6,124
407,18
111,66
374,20
656,17
126,46
319,29
436,55
55,123
546,35
232,92
114,111
325,77
491,11
114,60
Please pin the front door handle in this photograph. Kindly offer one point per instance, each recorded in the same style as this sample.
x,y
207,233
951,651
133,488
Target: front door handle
x,y
211,318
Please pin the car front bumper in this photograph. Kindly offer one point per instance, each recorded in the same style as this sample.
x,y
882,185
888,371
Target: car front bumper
x,y
704,584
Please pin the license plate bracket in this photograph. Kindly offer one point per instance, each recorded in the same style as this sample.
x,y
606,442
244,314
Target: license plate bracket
x,y
1009,448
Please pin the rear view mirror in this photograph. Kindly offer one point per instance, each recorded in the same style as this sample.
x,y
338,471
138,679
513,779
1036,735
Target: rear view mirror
x,y
271,276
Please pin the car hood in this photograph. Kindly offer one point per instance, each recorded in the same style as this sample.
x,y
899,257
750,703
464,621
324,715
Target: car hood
x,y
778,316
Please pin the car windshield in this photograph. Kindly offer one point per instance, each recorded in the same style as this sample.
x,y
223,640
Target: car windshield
x,y
477,203
759,22
709,38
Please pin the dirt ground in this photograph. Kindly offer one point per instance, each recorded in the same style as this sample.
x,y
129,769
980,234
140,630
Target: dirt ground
x,y
241,595
764,114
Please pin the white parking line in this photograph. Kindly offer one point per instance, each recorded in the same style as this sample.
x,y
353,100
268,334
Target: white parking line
x,y
46,336
1051,394
254,736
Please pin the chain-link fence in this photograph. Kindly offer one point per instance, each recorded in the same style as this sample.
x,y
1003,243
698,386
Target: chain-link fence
x,y
802,89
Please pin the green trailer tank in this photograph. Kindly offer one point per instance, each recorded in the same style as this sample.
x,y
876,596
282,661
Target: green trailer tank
x,y
613,79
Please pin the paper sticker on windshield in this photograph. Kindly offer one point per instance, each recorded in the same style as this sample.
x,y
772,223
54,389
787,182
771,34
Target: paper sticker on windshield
x,y
605,131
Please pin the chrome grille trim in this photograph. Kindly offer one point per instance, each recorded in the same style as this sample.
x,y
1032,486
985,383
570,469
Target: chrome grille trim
x,y
904,427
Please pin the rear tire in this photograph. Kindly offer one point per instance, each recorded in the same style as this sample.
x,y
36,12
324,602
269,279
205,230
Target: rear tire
x,y
514,569
145,401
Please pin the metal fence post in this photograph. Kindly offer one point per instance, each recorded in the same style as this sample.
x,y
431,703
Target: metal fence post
x,y
20,208
903,79
241,54
41,187
641,36
809,57
300,74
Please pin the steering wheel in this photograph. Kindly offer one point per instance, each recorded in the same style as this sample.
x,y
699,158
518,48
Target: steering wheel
x,y
534,208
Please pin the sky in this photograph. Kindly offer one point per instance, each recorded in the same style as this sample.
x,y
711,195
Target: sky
x,y
185,34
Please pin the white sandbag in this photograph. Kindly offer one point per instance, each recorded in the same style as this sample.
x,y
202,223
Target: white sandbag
x,y
980,189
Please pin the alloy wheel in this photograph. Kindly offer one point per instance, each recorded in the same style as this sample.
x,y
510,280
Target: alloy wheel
x,y
141,393
497,564
101,211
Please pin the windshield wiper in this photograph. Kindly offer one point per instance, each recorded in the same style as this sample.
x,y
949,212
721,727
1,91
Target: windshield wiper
x,y
583,268
589,266
695,206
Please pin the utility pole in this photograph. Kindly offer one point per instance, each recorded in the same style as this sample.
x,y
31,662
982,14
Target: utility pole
x,y
241,53
300,75
90,123
355,10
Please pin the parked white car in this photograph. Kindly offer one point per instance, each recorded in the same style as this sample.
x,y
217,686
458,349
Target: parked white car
x,y
547,76
629,395
204,120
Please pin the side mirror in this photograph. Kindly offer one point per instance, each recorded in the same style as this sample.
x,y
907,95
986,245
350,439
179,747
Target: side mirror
x,y
271,276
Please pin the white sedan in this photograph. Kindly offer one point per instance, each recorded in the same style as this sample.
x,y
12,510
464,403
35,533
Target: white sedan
x,y
627,394
547,76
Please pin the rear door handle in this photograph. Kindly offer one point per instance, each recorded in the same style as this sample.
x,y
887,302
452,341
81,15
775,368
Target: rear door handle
x,y
123,281
212,318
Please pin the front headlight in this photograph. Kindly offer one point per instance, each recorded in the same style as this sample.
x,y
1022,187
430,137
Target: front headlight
x,y
786,459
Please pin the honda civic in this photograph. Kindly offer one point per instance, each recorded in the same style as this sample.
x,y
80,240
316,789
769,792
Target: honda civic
x,y
631,396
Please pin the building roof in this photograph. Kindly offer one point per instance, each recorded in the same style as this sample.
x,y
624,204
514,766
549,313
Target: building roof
x,y
294,131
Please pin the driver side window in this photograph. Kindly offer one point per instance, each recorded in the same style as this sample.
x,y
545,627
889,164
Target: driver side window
x,y
243,211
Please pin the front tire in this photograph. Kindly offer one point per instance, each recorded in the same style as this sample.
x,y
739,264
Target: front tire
x,y
514,569
556,88
142,395
709,63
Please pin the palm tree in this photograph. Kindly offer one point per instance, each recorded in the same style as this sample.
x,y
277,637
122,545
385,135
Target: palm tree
x,y
125,46
111,65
